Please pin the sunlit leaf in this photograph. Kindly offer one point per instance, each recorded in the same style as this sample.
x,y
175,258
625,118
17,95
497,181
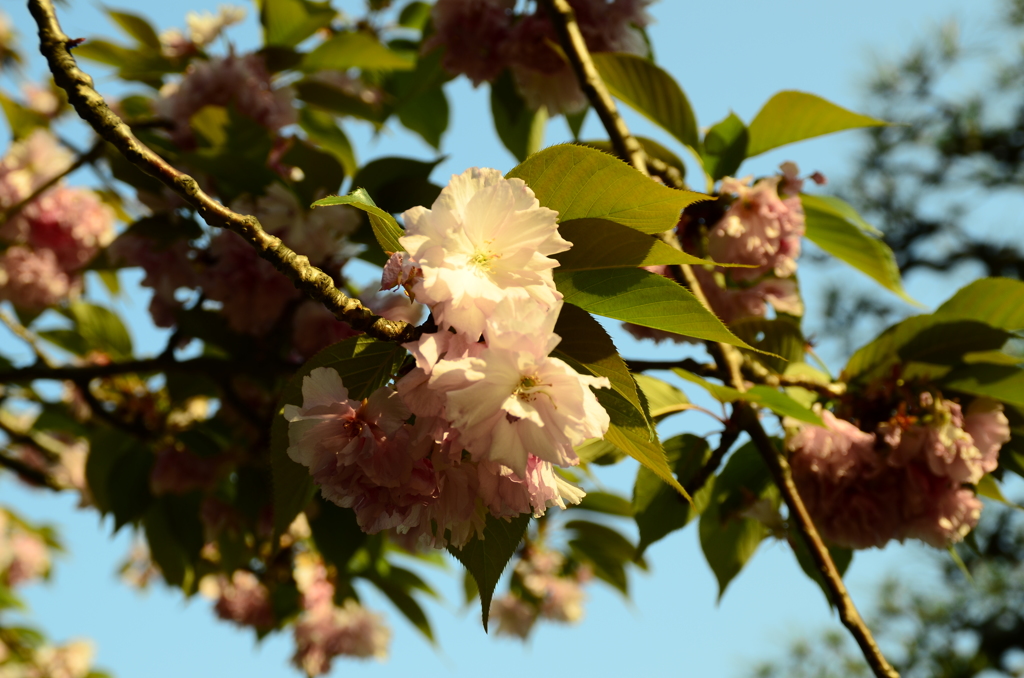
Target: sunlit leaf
x,y
794,116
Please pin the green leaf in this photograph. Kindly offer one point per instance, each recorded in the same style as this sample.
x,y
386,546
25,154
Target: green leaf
x,y
599,243
406,604
998,302
989,487
649,90
427,115
606,550
322,128
643,298
336,533
289,22
663,398
794,116
633,442
727,537
781,336
354,50
321,172
519,127
365,365
946,343
613,504
659,510
385,228
136,27
485,558
580,183
398,183
20,119
1000,382
69,340
414,15
106,447
575,122
169,553
585,344
835,227
338,101
234,148
725,147
101,329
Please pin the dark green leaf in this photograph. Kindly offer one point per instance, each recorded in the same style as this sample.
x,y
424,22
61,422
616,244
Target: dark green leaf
x,y
485,558
781,336
604,565
835,227
581,183
604,538
397,184
519,127
344,51
427,115
168,553
575,122
414,15
613,504
999,302
794,116
946,342
657,508
336,533
234,148
322,173
725,147
637,296
406,604
106,447
69,340
727,537
1000,382
338,101
650,91
364,365
599,243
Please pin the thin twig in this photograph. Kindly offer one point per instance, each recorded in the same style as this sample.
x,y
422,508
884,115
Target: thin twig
x,y
26,335
728,359
91,107
30,474
87,157
564,21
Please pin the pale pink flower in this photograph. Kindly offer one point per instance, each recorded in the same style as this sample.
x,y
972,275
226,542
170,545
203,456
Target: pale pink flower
x,y
323,634
30,163
989,430
71,222
34,280
563,600
245,601
42,100
514,400
253,292
514,617
760,229
204,27
837,452
473,34
241,81
485,239
31,558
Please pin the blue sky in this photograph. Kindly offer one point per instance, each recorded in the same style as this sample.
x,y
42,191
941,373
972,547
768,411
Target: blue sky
x,y
727,56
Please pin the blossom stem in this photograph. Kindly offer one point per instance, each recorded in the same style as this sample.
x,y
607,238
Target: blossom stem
x,y
92,108
564,21
727,358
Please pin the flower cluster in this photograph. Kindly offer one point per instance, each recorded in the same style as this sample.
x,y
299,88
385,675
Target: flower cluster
x,y
542,586
239,81
243,600
481,38
906,477
50,239
494,412
325,631
203,29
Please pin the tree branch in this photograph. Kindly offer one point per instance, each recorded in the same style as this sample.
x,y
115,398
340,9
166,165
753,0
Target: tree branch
x,y
91,107
728,359
201,365
564,21
30,474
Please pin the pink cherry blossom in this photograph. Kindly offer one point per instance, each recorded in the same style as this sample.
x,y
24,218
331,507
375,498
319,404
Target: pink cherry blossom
x,y
34,280
30,558
30,163
239,81
168,266
759,229
325,633
513,616
473,34
485,239
245,601
253,292
70,222
514,400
